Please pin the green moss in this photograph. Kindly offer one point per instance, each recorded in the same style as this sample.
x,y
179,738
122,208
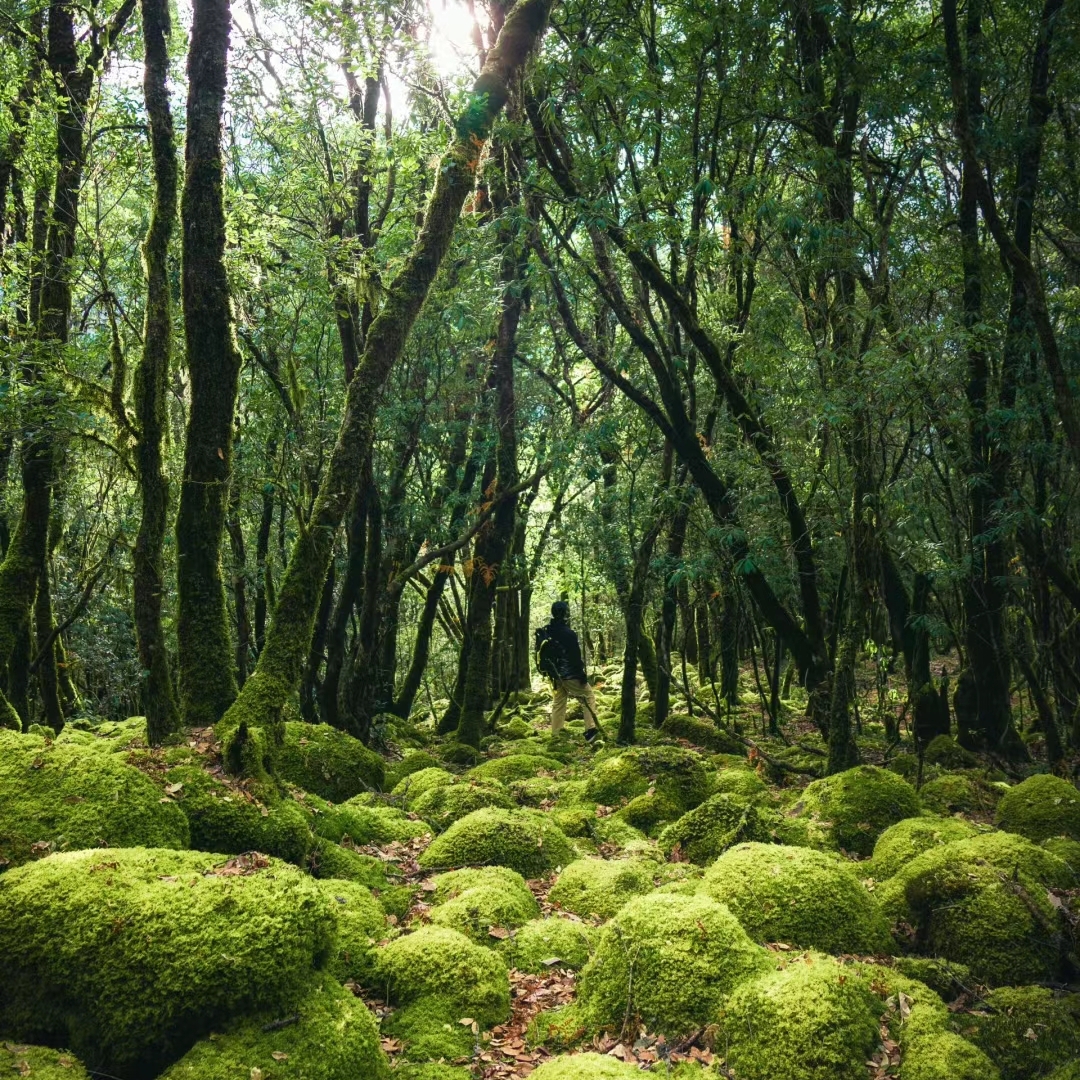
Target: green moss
x,y
434,963
743,782
222,819
900,843
330,860
615,833
586,1067
327,762
431,1030
447,803
38,1063
415,784
945,751
807,898
576,820
129,955
361,925
1065,849
667,960
860,805
539,942
983,902
650,811
665,770
413,762
364,824
1066,1072
476,911
333,1038
516,728
536,790
64,797
719,823
522,840
1041,807
701,733
601,886
947,979
514,767
1027,1030
456,753
959,793
431,1072
455,882
945,1056
811,1020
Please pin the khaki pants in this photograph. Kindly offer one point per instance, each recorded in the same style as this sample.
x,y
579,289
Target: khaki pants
x,y
579,690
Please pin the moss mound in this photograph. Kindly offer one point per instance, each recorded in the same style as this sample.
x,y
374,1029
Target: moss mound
x,y
38,1063
1067,850
859,805
129,955
959,793
983,902
412,762
519,839
945,1056
1027,1030
361,925
431,1072
945,751
586,1067
541,942
667,960
364,824
447,803
514,767
719,823
601,886
807,898
665,770
740,781
946,978
444,966
415,784
900,843
1041,807
455,882
63,797
478,911
327,762
223,820
702,733
334,1037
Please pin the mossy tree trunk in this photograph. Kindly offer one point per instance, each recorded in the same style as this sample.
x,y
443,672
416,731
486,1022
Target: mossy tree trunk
x,y
151,385
280,664
206,672
669,607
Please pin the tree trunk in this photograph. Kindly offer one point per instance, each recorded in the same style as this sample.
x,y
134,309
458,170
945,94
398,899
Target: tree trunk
x,y
206,671
278,671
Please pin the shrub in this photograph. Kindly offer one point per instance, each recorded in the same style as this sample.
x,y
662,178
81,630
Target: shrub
x,y
476,911
539,942
601,886
900,843
519,839
514,767
63,797
129,955
327,762
808,898
447,803
1041,807
334,1037
720,822
860,805
667,960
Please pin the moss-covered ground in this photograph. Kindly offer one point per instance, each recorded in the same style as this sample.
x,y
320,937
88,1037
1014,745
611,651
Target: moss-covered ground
x,y
705,903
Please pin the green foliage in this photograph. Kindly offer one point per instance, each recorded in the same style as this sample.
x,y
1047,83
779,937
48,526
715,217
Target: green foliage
x,y
129,955
900,843
327,762
522,840
447,803
476,911
806,898
334,1037
539,942
859,805
1041,807
60,797
668,960
601,886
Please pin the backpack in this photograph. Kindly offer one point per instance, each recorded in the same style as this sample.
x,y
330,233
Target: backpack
x,y
550,657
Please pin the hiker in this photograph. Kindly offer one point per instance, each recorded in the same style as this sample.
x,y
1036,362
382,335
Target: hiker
x,y
558,655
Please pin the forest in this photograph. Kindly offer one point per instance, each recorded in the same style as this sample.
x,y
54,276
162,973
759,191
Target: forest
x,y
352,352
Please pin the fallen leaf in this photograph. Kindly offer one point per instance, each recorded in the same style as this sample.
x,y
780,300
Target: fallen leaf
x,y
279,1055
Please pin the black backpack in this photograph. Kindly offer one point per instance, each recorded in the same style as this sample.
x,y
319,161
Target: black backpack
x,y
550,657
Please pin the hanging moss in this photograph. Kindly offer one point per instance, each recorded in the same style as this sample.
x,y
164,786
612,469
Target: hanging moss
x,y
1027,1030
61,797
224,820
983,902
361,925
667,960
479,910
329,1036
539,943
38,1063
519,839
514,767
601,887
327,762
806,898
859,805
900,843
719,823
447,803
129,955
1041,807
667,770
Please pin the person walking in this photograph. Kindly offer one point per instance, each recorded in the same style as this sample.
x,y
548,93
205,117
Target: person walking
x,y
558,655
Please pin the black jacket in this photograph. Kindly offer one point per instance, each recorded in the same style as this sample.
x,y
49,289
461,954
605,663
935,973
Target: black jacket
x,y
573,667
